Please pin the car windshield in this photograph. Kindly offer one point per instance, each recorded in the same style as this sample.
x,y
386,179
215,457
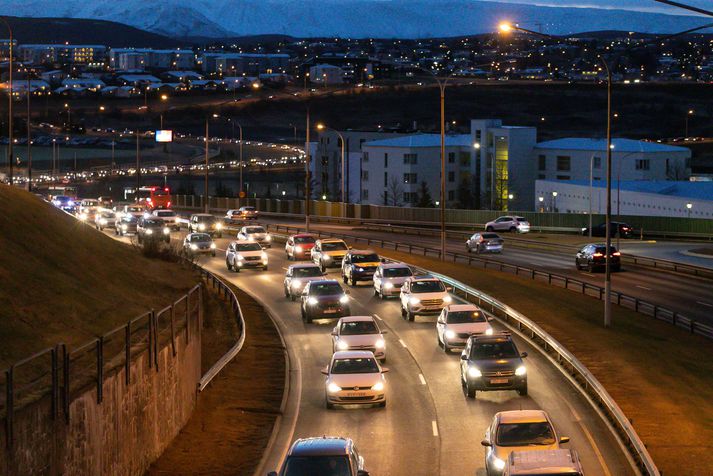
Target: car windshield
x,y
427,287
325,289
334,246
504,349
255,229
200,237
465,317
355,366
304,239
490,236
359,327
248,209
205,219
522,220
365,258
166,214
306,272
130,219
153,223
525,434
397,272
248,247
317,466
135,209
108,214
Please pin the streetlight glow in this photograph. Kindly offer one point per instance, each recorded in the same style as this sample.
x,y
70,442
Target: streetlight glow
x,y
476,145
689,205
505,27
554,194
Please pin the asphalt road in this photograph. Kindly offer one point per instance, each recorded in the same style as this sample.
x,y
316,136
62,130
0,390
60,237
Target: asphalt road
x,y
428,427
689,295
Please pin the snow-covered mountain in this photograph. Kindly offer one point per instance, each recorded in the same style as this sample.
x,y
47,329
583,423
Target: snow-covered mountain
x,y
345,18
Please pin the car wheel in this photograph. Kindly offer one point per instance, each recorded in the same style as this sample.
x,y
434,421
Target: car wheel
x,y
522,390
403,312
308,318
489,228
344,278
411,316
322,267
228,265
264,268
382,404
446,347
576,265
302,313
512,229
353,281
116,232
468,248
467,391
329,406
293,298
236,268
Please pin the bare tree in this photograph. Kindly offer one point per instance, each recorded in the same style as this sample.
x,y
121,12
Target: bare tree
x,y
393,195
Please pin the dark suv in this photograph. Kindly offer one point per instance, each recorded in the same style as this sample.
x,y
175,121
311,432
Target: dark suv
x,y
324,299
205,223
592,256
322,456
492,363
150,229
359,266
125,224
625,230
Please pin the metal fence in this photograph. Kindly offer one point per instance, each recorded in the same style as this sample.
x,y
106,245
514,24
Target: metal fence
x,y
64,374
566,282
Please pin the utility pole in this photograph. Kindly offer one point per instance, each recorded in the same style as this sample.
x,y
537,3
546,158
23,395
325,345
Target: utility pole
x,y
10,138
443,169
307,175
29,138
205,200
607,251
138,165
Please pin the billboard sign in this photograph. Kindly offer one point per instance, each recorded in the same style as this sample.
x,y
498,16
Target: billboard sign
x,y
164,136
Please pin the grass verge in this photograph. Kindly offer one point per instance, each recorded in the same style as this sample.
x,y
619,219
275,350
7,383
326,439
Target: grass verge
x,y
660,376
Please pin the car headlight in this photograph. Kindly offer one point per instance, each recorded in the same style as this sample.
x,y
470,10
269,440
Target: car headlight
x,y
312,301
194,247
212,246
149,231
380,344
414,300
124,227
296,283
344,299
489,331
298,249
450,334
474,372
342,345
218,226
520,371
82,216
268,238
240,257
146,215
333,388
263,256
103,221
389,286
201,227
166,231
448,299
378,387
361,270
498,463
327,258
251,238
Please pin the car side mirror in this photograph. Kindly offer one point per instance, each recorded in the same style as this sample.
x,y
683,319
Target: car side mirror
x,y
384,370
564,439
486,443
384,332
334,333
523,355
324,274
383,260
325,371
463,357
350,247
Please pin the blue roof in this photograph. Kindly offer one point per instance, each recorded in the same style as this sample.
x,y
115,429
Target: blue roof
x,y
681,189
620,145
423,140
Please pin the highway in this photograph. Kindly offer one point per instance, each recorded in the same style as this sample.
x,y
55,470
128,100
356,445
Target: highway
x,y
428,427
689,295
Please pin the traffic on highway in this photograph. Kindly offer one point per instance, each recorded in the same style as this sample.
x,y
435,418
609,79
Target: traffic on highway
x,y
391,373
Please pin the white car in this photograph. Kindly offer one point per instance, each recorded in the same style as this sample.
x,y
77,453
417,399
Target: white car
x,y
245,254
297,277
169,217
256,234
457,322
389,277
354,377
359,333
518,430
509,223
423,295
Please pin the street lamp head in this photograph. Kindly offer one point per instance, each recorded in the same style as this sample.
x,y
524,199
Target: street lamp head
x,y
554,194
691,112
164,97
101,108
256,85
215,115
321,127
476,145
324,197
511,196
505,27
541,199
689,205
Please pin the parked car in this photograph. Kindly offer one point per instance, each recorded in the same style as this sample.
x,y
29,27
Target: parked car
x,y
354,377
624,229
324,299
423,295
297,277
359,265
457,322
258,234
299,246
592,257
329,253
150,229
509,223
518,431
243,254
197,243
492,362
560,462
322,456
359,333
487,242
105,219
389,278
205,223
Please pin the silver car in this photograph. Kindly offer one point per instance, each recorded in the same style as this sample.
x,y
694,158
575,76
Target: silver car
x,y
457,322
484,243
509,223
562,462
359,333
256,234
389,277
297,277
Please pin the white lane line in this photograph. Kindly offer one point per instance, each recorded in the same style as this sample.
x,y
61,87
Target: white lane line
x,y
402,342
588,274
423,380
704,303
643,287
589,436
377,316
434,426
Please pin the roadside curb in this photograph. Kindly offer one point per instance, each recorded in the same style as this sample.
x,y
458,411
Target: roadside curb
x,y
695,255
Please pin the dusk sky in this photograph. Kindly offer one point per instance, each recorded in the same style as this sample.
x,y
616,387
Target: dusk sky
x,y
641,5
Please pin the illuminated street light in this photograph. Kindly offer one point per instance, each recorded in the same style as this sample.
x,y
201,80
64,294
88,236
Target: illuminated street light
x,y
164,97
322,127
505,27
689,206
476,145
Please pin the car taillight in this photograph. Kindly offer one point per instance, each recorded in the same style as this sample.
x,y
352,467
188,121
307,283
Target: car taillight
x,y
597,255
616,253
169,205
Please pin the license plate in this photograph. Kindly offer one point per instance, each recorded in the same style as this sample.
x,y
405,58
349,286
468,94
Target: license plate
x,y
496,381
356,394
330,311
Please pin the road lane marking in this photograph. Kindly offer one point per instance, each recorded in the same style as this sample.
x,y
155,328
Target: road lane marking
x,y
704,303
377,316
598,453
423,380
434,426
643,287
402,343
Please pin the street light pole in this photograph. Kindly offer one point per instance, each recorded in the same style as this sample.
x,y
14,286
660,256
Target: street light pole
x,y
307,174
9,107
138,165
343,164
591,179
689,114
205,200
607,276
442,87
29,138
240,146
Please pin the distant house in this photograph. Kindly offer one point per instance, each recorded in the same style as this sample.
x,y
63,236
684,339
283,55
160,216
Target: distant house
x,y
137,80
181,76
71,91
86,83
203,85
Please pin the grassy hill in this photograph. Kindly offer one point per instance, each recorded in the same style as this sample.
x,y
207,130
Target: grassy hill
x,y
62,281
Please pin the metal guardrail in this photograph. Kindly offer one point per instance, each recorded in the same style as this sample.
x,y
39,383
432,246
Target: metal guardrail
x,y
592,290
228,293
